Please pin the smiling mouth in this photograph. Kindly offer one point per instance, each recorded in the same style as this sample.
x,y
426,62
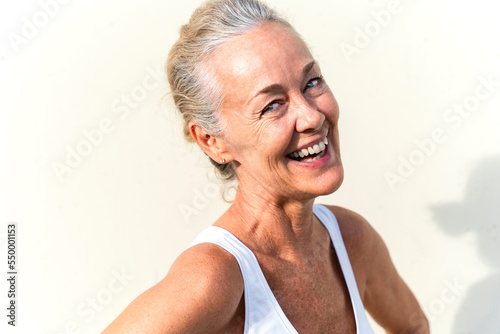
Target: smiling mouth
x,y
311,153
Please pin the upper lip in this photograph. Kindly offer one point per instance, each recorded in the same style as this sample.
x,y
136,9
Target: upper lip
x,y
310,144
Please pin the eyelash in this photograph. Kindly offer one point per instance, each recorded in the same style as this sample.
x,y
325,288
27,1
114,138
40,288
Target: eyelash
x,y
319,80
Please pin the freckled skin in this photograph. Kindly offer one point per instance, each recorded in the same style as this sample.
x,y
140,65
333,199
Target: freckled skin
x,y
272,212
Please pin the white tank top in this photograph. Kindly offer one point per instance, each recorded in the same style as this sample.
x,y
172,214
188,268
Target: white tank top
x,y
263,314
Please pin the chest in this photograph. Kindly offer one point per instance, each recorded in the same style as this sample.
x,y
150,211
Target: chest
x,y
313,295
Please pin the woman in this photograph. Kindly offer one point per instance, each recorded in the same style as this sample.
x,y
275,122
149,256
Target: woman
x,y
255,101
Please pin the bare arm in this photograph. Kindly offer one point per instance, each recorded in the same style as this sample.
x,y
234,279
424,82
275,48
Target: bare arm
x,y
388,298
385,295
200,294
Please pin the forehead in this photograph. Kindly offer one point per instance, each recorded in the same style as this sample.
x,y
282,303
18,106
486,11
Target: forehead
x,y
268,54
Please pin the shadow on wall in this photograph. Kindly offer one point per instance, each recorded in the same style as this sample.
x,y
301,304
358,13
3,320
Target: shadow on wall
x,y
478,213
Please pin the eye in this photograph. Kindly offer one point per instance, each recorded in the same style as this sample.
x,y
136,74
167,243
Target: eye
x,y
314,82
270,107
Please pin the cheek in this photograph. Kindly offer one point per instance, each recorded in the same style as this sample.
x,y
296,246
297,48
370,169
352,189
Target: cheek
x,y
272,137
329,106
261,143
247,139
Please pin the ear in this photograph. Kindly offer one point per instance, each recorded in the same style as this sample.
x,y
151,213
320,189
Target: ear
x,y
213,146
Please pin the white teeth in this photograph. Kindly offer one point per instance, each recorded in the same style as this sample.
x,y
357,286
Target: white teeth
x,y
319,156
315,149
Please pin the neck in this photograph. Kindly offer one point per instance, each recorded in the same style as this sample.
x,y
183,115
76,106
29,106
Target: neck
x,y
271,224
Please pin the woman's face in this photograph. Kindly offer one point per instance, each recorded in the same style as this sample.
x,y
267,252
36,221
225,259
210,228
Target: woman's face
x,y
277,107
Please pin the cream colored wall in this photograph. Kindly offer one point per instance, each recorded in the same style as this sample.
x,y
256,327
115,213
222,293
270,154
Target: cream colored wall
x,y
96,233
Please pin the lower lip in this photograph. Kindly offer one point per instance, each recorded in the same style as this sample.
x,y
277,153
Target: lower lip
x,y
317,163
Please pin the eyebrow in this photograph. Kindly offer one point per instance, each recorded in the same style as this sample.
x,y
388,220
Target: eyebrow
x,y
274,88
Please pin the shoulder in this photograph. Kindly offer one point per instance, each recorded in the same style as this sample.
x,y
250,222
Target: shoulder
x,y
364,245
200,294
384,293
208,260
207,271
355,229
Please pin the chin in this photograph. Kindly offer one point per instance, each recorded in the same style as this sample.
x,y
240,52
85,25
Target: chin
x,y
323,185
331,182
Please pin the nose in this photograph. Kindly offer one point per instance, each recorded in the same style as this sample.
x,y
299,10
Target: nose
x,y
308,118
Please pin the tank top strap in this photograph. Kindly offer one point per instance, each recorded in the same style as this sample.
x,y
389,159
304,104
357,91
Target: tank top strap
x,y
328,219
262,311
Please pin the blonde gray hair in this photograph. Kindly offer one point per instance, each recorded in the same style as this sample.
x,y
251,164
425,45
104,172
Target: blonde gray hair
x,y
196,93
